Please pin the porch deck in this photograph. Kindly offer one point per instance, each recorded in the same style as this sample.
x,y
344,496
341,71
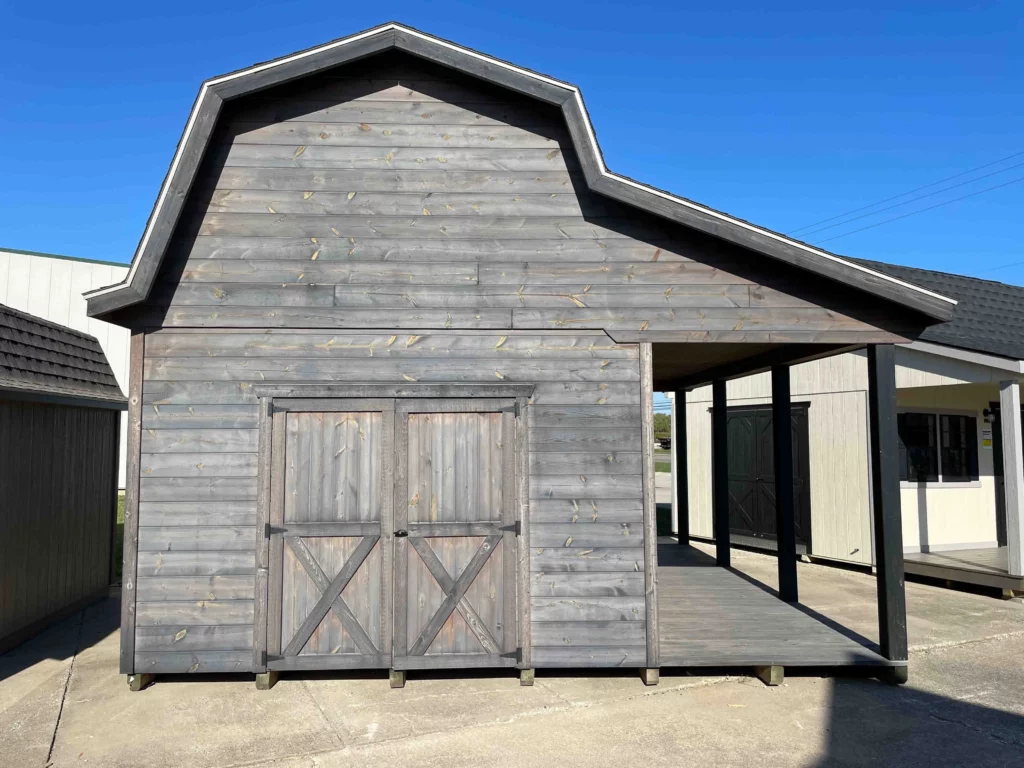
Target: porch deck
x,y
985,567
717,617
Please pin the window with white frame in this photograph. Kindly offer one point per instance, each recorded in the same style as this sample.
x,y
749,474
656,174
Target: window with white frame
x,y
937,447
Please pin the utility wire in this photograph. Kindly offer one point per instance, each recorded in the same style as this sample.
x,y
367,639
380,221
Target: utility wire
x,y
1004,266
913,199
897,197
921,210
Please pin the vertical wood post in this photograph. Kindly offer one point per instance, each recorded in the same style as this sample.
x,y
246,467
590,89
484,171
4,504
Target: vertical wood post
x,y
785,508
1013,474
885,493
130,565
720,471
650,511
679,464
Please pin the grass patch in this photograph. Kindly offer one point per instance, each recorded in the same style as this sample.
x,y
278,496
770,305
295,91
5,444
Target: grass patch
x,y
663,466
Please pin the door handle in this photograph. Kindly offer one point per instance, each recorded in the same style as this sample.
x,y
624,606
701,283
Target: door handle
x,y
401,533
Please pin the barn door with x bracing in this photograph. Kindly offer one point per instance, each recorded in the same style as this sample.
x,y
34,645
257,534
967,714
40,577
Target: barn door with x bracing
x,y
330,581
455,538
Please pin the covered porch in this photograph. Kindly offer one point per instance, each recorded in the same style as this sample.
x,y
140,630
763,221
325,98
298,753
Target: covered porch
x,y
711,614
963,524
984,567
722,617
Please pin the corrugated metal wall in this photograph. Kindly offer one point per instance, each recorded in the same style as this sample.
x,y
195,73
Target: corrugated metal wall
x,y
57,466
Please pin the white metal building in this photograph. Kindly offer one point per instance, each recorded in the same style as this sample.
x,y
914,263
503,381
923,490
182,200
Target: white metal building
x,y
51,287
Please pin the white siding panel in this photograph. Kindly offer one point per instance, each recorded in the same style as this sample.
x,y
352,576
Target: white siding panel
x,y
838,453
39,287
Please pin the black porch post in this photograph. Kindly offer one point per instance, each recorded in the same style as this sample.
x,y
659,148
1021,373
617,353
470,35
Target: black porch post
x,y
720,471
682,478
885,493
785,511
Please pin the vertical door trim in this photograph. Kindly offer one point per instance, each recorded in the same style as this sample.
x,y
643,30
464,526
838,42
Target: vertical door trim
x,y
523,498
265,475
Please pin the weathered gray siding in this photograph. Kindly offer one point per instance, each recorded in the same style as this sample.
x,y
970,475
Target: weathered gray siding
x,y
58,475
198,490
390,222
395,186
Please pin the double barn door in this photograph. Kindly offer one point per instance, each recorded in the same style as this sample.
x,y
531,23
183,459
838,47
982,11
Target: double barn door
x,y
392,535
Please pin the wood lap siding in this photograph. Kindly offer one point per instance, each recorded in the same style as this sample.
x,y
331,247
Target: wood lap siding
x,y
197,522
395,185
392,222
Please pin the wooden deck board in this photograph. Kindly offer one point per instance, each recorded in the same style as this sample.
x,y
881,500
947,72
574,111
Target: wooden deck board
x,y
716,617
986,566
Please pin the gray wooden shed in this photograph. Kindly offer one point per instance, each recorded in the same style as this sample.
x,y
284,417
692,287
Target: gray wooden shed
x,y
395,334
59,424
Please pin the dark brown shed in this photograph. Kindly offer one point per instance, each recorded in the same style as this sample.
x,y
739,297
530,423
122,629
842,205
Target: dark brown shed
x,y
59,415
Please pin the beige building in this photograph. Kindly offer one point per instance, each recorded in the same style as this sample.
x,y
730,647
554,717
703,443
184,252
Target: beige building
x,y
952,387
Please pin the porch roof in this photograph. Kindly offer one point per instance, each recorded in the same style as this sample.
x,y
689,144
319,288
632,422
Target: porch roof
x,y
989,315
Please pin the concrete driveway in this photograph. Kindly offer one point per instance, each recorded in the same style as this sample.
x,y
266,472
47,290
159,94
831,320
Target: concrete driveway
x,y
62,701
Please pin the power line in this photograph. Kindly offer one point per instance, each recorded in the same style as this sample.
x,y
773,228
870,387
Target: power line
x,y
1004,266
897,197
921,210
914,199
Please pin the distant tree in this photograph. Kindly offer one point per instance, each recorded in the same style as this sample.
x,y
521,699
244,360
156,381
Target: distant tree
x,y
662,424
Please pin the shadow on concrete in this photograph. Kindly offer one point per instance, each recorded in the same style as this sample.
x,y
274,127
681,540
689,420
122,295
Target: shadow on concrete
x,y
871,723
66,637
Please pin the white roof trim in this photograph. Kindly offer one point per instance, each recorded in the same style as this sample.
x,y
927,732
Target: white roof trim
x,y
967,356
511,67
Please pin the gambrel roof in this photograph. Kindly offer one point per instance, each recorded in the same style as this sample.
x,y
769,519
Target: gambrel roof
x,y
42,358
599,179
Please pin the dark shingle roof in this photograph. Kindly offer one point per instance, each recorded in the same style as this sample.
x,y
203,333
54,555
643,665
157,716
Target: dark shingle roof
x,y
40,356
989,317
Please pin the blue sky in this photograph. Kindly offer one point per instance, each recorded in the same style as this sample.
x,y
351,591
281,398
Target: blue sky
x,y
781,113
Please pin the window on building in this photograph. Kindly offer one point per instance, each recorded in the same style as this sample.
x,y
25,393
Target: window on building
x,y
919,458
958,448
937,447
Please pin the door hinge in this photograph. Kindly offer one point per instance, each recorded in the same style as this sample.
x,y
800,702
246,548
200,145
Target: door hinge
x,y
266,534
519,527
401,533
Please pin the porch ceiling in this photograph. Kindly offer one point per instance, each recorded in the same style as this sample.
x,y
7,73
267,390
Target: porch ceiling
x,y
684,366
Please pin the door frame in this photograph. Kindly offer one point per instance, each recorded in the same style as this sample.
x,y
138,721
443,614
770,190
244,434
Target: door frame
x,y
275,401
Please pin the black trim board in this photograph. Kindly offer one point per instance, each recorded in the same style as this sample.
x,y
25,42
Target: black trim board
x,y
215,92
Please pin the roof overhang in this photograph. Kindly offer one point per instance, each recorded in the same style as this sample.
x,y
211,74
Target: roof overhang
x,y
392,36
967,356
57,396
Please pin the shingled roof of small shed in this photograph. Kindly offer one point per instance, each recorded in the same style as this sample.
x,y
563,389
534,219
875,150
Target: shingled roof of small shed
x,y
44,357
989,315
